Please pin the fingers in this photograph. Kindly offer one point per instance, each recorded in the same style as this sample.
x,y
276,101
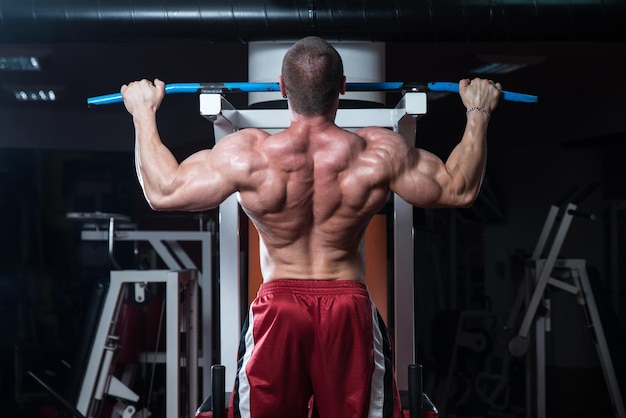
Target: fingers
x,y
160,86
144,85
145,82
478,81
496,85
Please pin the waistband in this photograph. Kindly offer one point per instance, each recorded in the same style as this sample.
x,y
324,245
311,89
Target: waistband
x,y
314,287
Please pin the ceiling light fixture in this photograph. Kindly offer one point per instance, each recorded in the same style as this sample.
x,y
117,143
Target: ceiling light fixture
x,y
19,63
497,68
35,93
42,95
503,64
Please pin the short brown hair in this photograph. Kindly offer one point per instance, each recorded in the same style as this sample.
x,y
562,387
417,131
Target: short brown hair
x,y
312,74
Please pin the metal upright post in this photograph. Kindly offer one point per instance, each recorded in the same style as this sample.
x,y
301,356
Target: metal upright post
x,y
214,106
579,271
404,266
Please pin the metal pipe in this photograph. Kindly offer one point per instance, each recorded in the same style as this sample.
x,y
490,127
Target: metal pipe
x,y
50,21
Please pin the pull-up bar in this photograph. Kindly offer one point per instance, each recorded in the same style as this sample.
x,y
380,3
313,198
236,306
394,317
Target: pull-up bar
x,y
244,87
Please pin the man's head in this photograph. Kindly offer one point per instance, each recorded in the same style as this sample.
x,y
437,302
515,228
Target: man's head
x,y
312,74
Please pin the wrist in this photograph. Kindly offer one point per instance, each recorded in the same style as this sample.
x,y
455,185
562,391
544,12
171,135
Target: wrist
x,y
477,109
143,115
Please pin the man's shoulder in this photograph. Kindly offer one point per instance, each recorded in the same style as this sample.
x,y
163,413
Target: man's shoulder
x,y
378,135
246,136
253,133
374,131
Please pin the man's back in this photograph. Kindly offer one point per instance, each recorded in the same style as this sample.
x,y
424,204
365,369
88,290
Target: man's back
x,y
313,190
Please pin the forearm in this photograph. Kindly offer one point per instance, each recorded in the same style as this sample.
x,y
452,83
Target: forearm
x,y
156,166
467,161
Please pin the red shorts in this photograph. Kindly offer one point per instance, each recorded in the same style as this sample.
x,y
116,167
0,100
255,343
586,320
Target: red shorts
x,y
314,342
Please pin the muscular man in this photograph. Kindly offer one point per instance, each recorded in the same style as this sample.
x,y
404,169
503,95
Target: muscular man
x,y
312,335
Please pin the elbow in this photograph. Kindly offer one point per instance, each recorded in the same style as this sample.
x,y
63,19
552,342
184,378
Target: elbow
x,y
169,203
465,198
154,205
465,191
470,197
466,202
156,202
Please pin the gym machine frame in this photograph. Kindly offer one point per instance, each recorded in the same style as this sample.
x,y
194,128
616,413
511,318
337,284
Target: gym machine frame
x,y
167,246
97,379
541,272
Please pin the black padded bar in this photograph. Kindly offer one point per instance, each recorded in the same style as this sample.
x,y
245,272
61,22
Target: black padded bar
x,y
218,394
415,390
